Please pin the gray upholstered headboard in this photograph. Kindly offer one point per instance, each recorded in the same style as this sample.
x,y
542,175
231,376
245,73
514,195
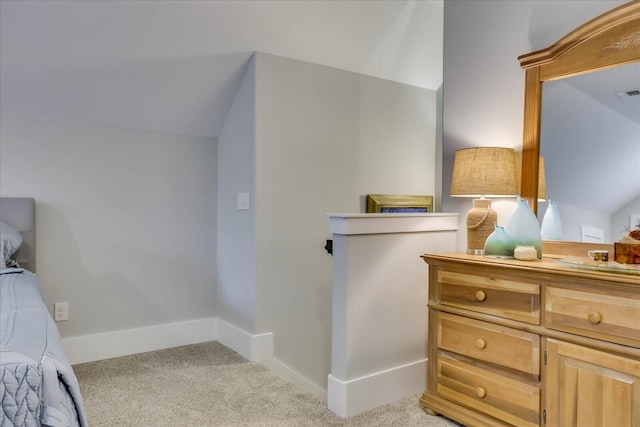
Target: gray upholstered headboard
x,y
20,212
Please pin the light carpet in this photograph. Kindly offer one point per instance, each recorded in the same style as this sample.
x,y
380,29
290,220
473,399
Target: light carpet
x,y
210,385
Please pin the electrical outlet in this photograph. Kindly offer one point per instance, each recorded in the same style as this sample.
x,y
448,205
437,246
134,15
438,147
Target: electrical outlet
x,y
60,311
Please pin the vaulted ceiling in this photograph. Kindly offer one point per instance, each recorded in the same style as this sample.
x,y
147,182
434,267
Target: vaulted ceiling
x,y
174,66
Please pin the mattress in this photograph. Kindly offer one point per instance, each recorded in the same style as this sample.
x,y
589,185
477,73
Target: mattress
x,y
37,383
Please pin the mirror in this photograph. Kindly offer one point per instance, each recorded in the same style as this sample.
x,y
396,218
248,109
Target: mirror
x,y
591,123
608,43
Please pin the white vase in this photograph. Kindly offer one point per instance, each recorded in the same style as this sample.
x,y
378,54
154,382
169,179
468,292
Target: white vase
x,y
551,225
523,227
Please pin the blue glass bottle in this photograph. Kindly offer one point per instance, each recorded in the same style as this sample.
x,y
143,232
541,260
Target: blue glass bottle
x,y
499,244
523,227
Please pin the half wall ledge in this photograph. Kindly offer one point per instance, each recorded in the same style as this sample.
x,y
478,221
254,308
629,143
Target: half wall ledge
x,y
379,305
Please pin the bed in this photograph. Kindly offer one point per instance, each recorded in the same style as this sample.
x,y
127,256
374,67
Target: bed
x,y
37,383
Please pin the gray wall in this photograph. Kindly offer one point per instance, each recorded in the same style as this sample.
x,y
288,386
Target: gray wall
x,y
138,228
483,87
236,229
324,138
125,221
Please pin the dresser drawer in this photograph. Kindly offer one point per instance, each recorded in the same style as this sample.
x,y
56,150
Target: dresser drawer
x,y
612,316
503,397
484,341
510,299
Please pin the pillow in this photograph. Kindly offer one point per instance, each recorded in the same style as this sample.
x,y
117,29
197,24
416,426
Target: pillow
x,y
10,241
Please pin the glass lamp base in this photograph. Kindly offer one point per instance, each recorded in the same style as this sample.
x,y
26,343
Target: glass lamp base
x,y
475,251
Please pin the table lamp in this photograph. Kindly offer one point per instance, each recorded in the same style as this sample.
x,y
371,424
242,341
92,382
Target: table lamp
x,y
483,172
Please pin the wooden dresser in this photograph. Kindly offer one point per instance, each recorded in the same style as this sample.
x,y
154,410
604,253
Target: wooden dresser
x,y
532,343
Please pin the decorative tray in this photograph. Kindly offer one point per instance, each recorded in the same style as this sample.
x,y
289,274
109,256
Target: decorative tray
x,y
589,264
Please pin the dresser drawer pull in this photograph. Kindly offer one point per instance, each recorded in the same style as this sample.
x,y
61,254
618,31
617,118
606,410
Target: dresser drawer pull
x,y
480,392
481,296
595,318
480,343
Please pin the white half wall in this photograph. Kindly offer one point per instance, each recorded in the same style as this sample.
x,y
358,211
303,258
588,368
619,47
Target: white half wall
x,y
125,221
379,306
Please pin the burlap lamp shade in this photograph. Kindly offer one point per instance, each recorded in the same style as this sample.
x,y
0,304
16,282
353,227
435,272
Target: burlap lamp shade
x,y
483,172
542,183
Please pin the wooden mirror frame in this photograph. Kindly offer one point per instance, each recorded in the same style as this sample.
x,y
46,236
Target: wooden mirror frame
x,y
610,40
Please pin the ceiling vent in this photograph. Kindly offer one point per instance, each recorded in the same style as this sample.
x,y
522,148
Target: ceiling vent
x,y
628,93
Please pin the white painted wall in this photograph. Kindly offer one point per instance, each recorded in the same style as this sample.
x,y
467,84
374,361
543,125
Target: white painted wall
x,y
174,66
483,89
324,139
236,280
133,213
321,140
125,221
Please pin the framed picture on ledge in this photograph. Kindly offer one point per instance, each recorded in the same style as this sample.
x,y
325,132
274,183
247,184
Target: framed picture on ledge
x,y
391,203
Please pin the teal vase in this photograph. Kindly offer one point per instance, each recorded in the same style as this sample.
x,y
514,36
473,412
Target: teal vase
x,y
551,228
523,227
499,244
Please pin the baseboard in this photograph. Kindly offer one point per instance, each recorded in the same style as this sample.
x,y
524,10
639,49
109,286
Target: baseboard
x,y
107,345
348,398
296,378
259,348
256,348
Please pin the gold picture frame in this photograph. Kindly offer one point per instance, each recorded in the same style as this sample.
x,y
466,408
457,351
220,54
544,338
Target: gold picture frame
x,y
391,203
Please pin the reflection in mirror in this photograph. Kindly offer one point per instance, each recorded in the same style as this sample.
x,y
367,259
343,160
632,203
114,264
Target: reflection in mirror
x,y
590,138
